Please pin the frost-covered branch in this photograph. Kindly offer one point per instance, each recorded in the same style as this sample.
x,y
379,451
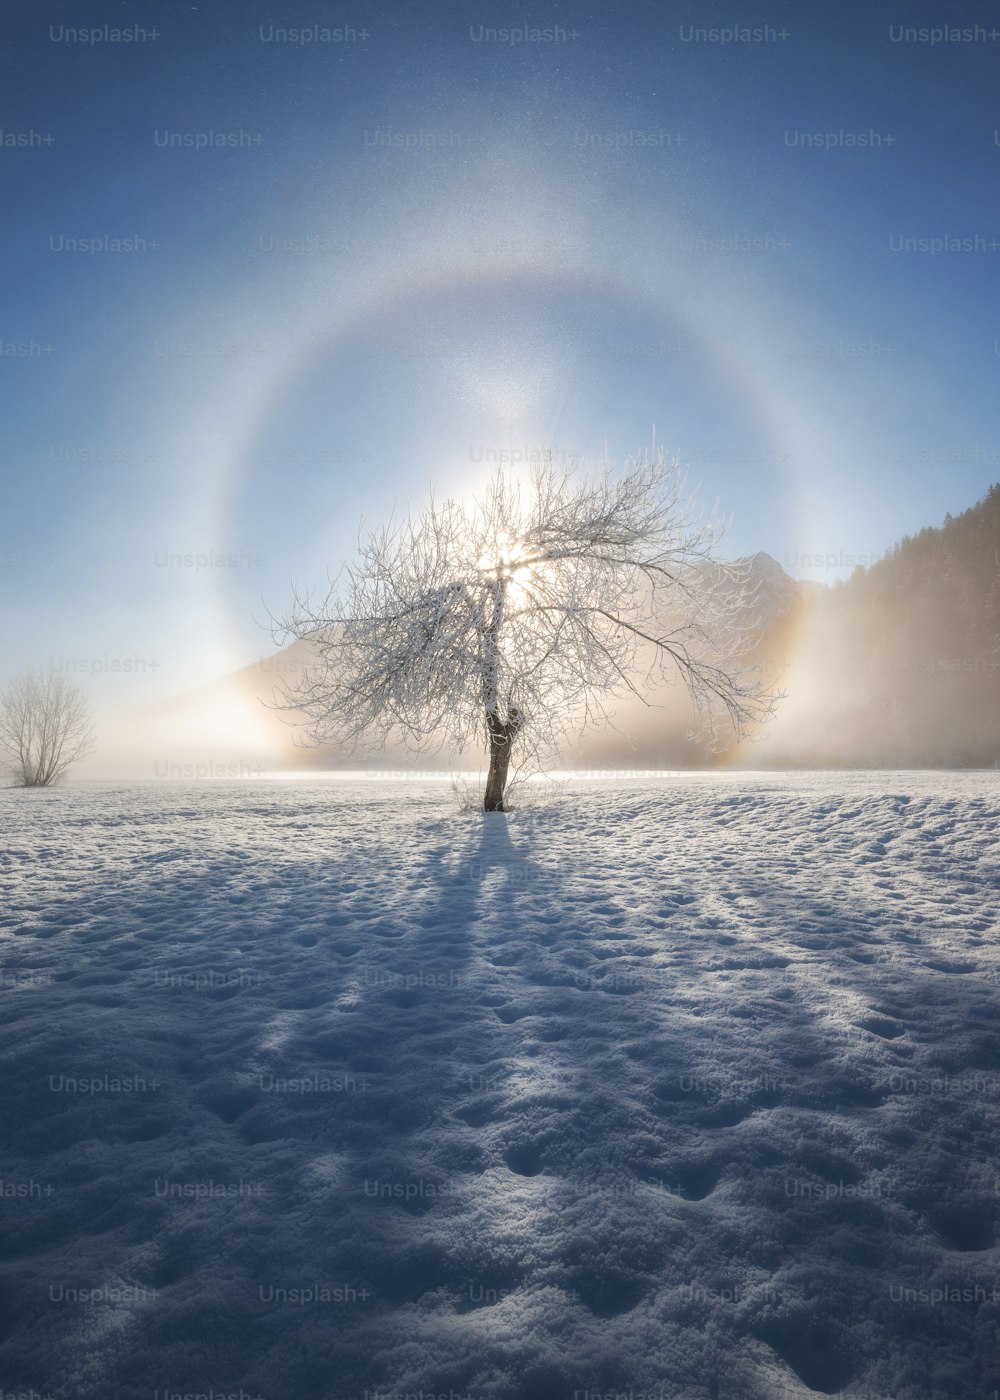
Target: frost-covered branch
x,y
45,727
516,620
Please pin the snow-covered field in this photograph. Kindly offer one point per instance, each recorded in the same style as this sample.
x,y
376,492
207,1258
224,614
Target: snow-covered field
x,y
675,1088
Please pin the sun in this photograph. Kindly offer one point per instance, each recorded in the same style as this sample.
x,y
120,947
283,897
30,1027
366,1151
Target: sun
x,y
507,564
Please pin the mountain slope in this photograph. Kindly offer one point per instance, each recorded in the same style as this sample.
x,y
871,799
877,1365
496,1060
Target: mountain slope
x,y
899,666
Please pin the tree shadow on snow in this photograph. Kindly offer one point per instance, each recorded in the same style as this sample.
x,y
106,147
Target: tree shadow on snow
x,y
459,1080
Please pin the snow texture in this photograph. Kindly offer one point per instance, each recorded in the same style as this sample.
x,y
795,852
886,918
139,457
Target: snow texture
x,y
676,1088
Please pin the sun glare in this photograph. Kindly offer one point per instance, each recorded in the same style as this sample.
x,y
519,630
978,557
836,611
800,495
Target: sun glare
x,y
503,563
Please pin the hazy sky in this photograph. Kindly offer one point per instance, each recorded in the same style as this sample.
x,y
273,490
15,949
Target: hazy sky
x,y
261,283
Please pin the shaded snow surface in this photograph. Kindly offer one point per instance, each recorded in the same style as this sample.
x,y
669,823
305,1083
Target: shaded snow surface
x,y
679,1088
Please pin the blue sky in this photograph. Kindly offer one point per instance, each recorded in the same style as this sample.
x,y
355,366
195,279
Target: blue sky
x,y
425,250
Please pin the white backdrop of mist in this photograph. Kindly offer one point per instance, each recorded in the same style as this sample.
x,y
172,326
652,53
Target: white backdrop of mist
x,y
897,667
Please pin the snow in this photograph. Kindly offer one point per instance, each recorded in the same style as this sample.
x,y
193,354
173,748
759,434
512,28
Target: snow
x,y
680,1087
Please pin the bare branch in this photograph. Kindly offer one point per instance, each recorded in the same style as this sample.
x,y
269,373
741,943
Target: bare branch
x,y
514,619
45,727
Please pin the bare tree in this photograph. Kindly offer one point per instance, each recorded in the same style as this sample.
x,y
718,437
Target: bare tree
x,y
515,620
45,726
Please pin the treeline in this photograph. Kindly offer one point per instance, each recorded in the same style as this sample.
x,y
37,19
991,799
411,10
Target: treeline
x,y
899,666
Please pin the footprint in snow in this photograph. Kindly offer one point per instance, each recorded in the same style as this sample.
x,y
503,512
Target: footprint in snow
x,y
878,1025
968,1229
524,1159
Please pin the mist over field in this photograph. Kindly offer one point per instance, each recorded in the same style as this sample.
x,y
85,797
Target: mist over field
x,y
897,667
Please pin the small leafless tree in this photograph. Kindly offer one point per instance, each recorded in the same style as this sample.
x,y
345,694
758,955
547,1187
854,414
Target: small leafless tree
x,y
45,726
515,620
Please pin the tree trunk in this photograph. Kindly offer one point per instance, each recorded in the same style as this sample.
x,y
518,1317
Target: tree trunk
x,y
501,743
